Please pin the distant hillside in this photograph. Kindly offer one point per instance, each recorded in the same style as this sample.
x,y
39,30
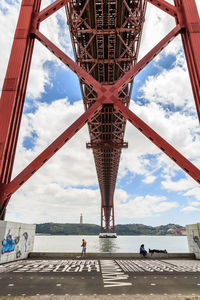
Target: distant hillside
x,y
67,229
92,229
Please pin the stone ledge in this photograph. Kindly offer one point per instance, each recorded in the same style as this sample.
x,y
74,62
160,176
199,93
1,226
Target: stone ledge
x,y
60,255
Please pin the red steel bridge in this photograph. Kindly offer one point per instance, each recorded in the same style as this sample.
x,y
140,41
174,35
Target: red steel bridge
x,y
106,37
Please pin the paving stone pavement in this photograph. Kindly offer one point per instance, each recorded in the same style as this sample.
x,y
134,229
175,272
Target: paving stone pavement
x,y
101,279
105,297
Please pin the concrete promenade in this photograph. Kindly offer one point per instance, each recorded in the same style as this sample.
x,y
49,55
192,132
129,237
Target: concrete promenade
x,y
102,278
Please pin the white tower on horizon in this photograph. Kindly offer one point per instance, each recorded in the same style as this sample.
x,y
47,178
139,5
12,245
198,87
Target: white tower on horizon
x,y
81,219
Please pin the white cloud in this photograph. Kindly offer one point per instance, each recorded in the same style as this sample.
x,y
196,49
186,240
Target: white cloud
x,y
193,192
73,164
157,25
178,185
170,86
141,206
149,179
179,129
195,203
189,209
55,192
53,203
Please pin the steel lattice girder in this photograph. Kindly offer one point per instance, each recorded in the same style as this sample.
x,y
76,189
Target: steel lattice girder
x,y
106,42
106,90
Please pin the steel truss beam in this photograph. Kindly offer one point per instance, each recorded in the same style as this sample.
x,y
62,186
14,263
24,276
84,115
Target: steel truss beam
x,y
166,7
191,44
101,96
155,138
41,159
14,89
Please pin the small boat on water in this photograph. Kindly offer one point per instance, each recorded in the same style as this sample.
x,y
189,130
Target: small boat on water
x,y
107,235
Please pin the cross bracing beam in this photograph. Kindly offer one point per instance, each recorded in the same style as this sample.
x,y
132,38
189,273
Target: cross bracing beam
x,y
41,159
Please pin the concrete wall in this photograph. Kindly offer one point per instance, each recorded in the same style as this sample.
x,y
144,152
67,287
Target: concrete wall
x,y
193,236
16,240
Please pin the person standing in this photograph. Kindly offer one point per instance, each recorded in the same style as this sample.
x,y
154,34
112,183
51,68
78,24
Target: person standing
x,y
84,243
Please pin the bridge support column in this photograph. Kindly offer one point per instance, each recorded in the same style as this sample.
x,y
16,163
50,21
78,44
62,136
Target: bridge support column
x,y
107,219
191,44
13,92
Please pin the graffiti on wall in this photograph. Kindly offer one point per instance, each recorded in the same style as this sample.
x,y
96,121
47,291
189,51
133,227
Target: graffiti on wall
x,y
196,239
17,244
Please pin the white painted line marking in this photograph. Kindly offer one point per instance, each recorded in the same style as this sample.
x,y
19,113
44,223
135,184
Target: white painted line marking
x,y
198,283
9,295
10,284
58,284
153,284
37,294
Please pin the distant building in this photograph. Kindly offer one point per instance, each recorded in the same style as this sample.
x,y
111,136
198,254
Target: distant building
x,y
171,230
181,231
81,219
177,231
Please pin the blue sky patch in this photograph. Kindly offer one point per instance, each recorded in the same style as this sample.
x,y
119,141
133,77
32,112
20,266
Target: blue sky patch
x,y
64,83
29,141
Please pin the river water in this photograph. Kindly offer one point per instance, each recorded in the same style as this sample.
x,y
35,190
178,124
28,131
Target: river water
x,y
121,244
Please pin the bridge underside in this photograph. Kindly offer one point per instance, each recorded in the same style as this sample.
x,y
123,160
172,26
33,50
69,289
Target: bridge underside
x,y
106,37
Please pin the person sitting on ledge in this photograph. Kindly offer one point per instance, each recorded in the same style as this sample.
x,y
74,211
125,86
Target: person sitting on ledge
x,y
157,251
142,250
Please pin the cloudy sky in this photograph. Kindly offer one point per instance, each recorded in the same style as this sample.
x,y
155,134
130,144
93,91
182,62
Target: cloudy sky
x,y
151,189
